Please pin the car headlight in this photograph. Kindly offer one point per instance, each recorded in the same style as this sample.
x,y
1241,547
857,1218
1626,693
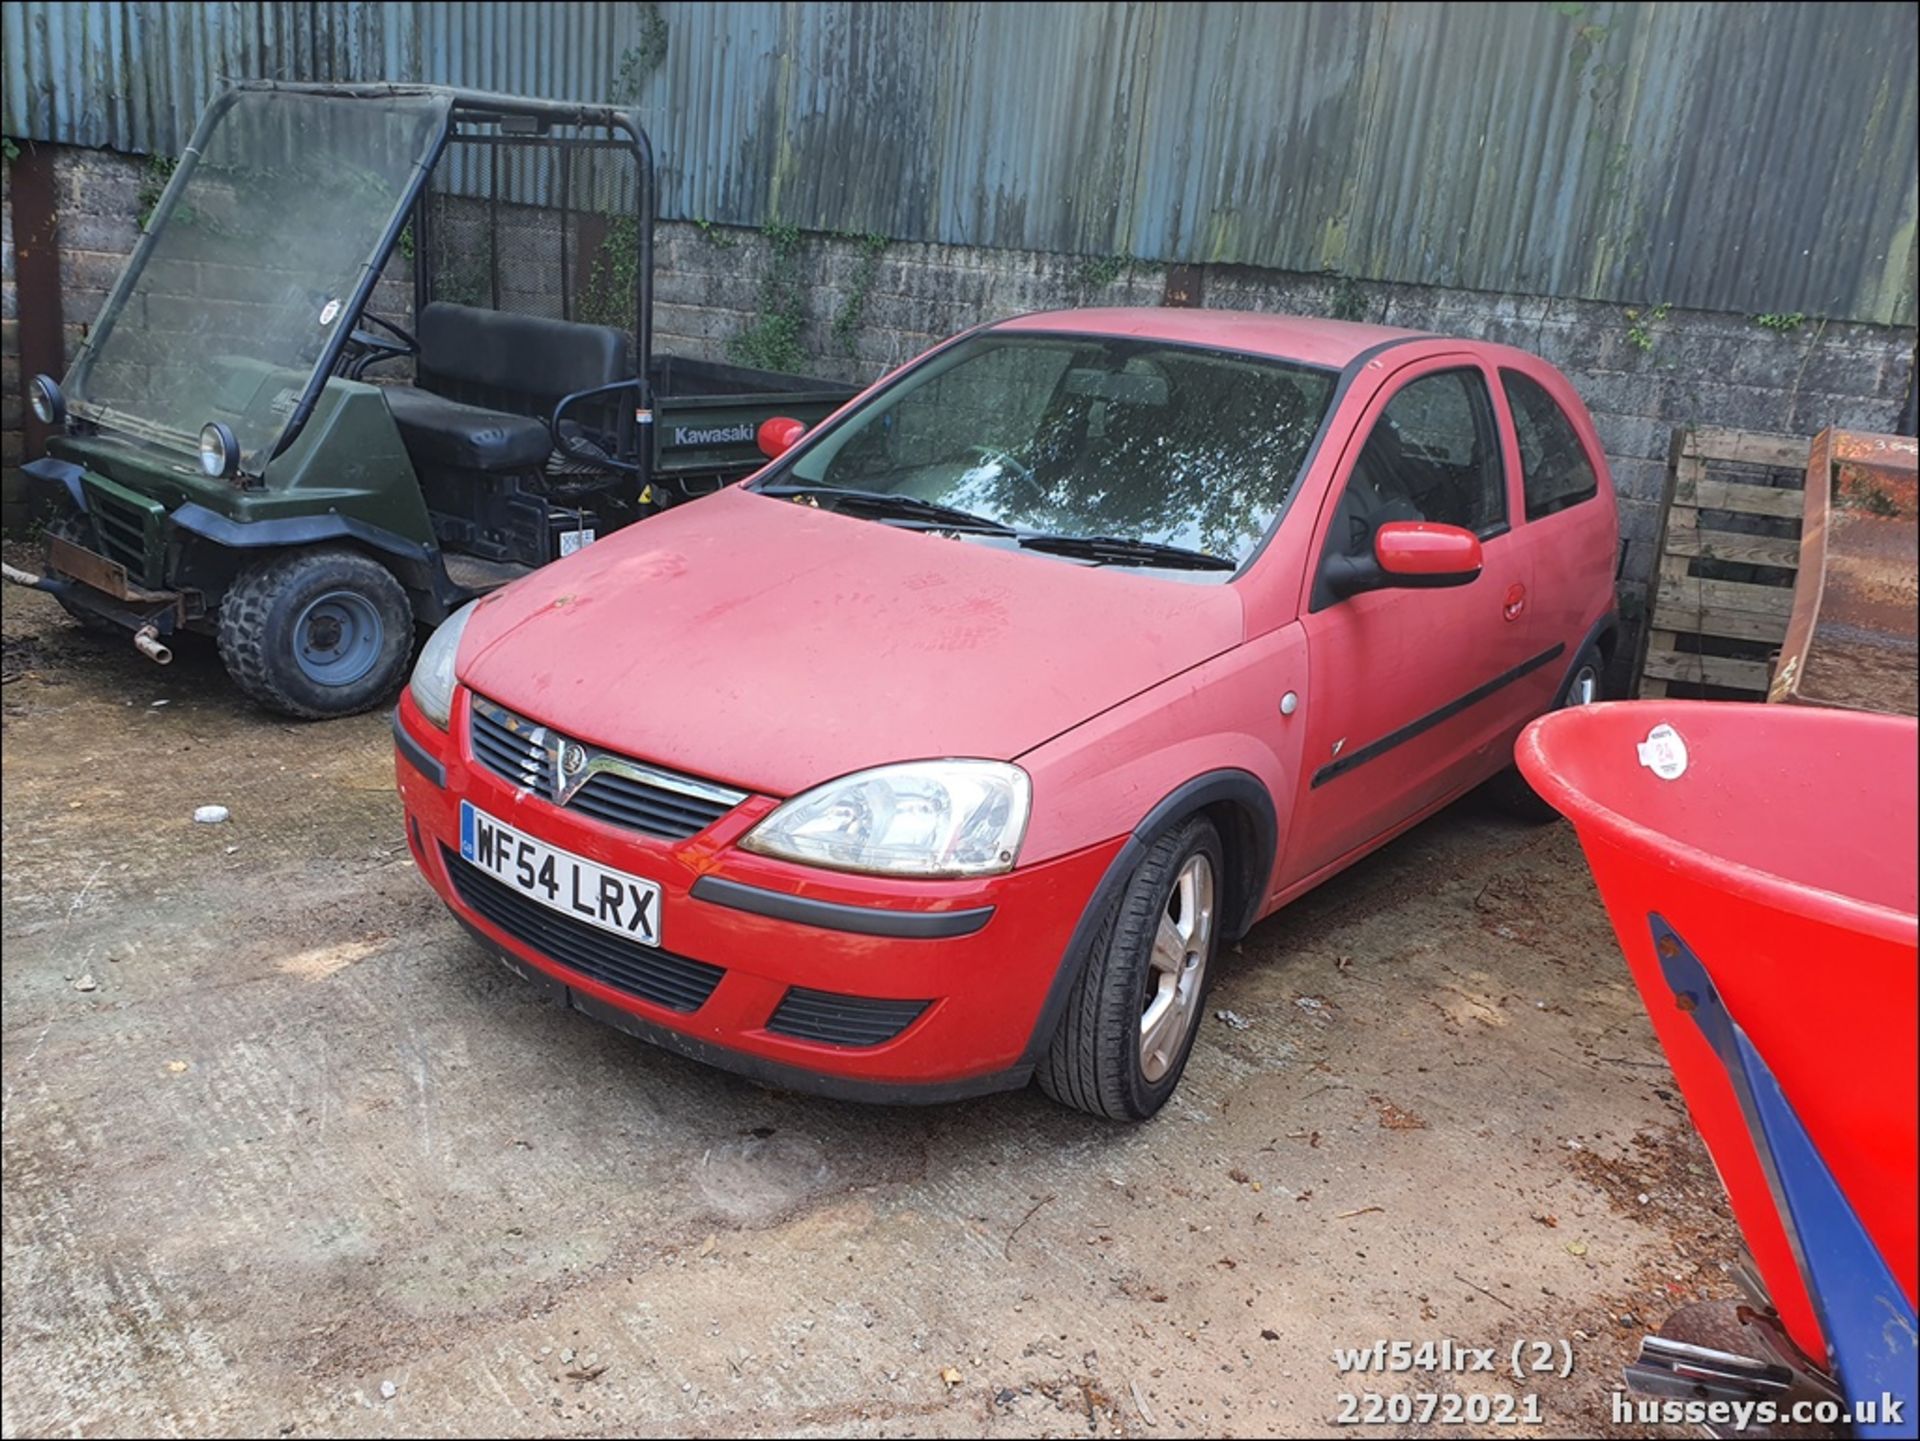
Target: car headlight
x,y
219,451
432,683
49,405
922,818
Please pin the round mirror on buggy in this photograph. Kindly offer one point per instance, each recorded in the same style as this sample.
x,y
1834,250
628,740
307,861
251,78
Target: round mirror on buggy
x,y
49,405
219,450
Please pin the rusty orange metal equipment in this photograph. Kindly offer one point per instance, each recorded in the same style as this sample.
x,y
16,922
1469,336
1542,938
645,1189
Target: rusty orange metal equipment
x,y
1852,638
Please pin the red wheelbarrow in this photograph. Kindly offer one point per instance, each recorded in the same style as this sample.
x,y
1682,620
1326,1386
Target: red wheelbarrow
x,y
1759,866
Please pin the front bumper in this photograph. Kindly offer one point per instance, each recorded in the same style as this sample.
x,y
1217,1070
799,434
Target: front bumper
x,y
982,955
123,581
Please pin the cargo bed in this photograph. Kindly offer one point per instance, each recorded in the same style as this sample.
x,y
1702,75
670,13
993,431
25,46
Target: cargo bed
x,y
706,414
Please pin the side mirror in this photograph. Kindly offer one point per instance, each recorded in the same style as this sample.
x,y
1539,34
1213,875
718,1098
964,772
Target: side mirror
x,y
1419,554
1408,555
779,435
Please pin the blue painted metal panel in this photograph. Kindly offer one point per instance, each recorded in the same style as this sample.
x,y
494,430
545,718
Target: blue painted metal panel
x,y
1869,1325
1729,157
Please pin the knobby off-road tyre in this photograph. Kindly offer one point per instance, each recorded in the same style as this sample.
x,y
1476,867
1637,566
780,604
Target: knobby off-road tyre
x,y
317,633
1509,790
1155,946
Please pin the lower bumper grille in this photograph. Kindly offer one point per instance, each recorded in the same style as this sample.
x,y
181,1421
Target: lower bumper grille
x,y
651,975
842,1020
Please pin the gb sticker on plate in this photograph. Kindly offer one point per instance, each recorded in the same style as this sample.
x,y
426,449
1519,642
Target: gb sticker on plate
x,y
1664,752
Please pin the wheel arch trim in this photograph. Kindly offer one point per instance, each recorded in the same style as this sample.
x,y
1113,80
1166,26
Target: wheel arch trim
x,y
292,532
49,473
1249,798
1607,626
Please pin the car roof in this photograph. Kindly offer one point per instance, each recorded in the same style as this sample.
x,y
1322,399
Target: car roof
x,y
1312,341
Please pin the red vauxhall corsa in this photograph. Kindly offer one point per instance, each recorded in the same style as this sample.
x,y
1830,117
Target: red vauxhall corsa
x,y
946,751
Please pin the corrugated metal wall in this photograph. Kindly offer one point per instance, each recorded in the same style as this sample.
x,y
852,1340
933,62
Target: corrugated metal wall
x,y
1737,157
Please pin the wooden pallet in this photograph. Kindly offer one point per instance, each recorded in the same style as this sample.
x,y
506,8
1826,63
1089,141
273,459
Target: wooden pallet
x,y
1728,549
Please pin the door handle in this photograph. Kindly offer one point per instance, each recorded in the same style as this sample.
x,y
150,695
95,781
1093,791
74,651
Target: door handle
x,y
1516,601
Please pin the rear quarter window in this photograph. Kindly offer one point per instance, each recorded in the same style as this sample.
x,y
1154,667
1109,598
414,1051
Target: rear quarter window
x,y
1555,469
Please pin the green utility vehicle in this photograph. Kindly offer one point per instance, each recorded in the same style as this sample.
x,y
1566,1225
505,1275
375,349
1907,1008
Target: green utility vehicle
x,y
380,348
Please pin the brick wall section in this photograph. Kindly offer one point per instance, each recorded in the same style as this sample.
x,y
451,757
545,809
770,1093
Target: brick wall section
x,y
1686,368
98,193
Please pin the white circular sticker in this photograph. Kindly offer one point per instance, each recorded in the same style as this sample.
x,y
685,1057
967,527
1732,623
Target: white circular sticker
x,y
1664,752
329,311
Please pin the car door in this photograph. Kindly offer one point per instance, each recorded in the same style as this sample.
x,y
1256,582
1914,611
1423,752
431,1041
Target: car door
x,y
1565,515
1412,690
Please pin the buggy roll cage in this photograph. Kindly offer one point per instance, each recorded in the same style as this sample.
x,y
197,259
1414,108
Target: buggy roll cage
x,y
518,120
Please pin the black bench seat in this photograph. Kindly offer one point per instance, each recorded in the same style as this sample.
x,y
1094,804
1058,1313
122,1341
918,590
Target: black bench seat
x,y
486,380
442,432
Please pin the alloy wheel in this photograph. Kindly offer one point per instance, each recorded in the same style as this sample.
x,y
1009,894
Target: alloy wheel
x,y
1585,687
1176,968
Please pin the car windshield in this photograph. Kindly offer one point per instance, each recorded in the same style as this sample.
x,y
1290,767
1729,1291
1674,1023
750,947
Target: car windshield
x,y
253,255
1119,438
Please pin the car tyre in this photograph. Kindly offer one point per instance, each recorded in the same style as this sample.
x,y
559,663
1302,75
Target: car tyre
x,y
1509,790
1135,1008
315,634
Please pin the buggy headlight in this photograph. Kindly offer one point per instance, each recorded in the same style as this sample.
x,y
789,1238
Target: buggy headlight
x,y
432,683
49,405
219,451
923,818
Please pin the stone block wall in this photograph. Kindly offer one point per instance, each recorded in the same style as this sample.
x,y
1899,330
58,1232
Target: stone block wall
x,y
859,308
1642,373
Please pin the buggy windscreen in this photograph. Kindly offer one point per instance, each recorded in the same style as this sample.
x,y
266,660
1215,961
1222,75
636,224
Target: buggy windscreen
x,y
253,257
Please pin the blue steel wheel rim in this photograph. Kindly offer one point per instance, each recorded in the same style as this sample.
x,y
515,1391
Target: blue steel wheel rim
x,y
337,638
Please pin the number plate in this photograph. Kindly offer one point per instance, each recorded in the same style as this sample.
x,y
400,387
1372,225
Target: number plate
x,y
612,900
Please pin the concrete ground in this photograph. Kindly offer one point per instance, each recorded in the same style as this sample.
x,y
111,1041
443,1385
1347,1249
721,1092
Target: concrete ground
x,y
285,1152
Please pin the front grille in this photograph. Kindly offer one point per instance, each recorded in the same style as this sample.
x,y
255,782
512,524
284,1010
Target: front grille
x,y
676,982
618,790
510,748
626,801
842,1020
122,529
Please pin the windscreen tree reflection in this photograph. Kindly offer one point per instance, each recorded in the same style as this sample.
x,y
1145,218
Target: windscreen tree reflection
x,y
1088,435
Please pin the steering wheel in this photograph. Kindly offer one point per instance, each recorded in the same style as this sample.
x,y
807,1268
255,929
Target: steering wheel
x,y
1007,464
403,342
364,348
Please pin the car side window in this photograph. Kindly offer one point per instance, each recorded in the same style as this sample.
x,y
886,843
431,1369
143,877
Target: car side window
x,y
1433,455
1554,468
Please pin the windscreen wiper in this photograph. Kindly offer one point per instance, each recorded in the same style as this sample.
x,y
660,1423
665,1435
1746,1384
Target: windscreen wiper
x,y
1124,550
883,504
